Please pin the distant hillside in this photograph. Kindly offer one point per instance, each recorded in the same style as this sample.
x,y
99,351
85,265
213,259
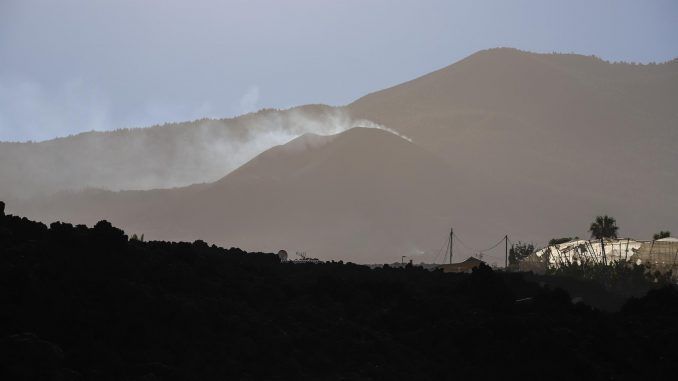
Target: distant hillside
x,y
176,154
362,195
503,142
555,137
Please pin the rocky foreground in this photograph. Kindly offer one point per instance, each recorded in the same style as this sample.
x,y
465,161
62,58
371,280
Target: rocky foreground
x,y
79,303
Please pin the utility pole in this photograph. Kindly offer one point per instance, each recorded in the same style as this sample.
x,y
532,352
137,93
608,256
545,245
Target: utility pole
x,y
602,249
506,251
451,244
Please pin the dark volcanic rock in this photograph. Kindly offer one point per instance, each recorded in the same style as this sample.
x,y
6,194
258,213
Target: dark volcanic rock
x,y
27,357
102,307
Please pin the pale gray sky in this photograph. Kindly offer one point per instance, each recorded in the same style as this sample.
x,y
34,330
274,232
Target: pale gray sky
x,y
75,65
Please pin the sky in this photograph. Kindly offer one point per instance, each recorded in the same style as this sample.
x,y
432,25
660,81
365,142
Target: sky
x,y
70,66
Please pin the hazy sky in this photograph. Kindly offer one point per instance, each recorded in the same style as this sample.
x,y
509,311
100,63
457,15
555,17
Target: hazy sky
x,y
68,66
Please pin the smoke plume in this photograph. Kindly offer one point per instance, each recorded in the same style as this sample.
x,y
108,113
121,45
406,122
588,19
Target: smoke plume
x,y
165,156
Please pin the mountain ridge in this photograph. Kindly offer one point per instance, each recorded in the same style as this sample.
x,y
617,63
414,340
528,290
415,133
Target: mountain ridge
x,y
506,142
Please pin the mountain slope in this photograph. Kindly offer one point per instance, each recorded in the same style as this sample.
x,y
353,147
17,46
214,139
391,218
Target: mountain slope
x,y
583,135
504,142
508,104
362,195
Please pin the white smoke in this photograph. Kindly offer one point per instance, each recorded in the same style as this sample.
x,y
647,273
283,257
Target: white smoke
x,y
30,109
225,152
369,124
162,156
250,100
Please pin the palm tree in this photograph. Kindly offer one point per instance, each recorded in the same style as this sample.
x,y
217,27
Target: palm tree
x,y
604,227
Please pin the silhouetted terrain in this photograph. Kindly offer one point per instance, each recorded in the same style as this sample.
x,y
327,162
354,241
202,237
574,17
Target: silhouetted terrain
x,y
80,303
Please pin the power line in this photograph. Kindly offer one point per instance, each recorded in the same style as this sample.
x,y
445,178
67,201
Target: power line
x,y
445,243
477,250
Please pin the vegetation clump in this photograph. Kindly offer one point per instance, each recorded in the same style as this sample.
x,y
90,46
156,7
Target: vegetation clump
x,y
620,277
558,241
662,234
519,252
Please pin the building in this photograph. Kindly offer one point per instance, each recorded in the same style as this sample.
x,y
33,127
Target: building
x,y
463,267
581,251
660,255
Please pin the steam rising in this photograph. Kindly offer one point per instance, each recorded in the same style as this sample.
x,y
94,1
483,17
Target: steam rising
x,y
370,124
221,151
162,156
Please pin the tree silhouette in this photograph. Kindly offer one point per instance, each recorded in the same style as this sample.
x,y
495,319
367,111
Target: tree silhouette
x,y
557,241
519,252
662,234
604,227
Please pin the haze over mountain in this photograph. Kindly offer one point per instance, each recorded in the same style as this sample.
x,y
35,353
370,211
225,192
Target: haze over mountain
x,y
171,155
348,196
503,142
